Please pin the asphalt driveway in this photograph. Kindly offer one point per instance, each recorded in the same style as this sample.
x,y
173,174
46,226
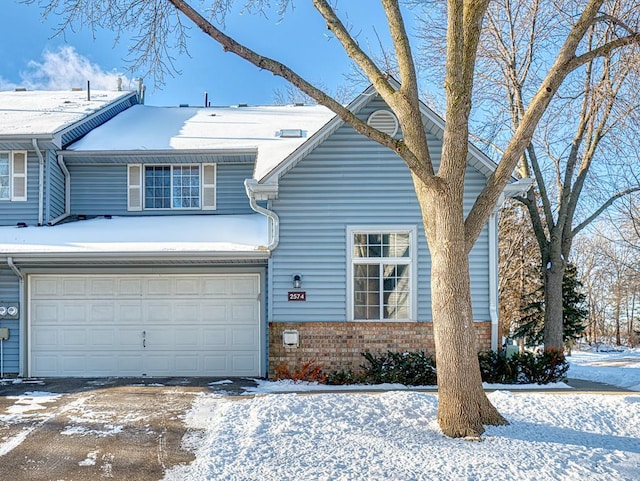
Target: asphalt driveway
x,y
84,430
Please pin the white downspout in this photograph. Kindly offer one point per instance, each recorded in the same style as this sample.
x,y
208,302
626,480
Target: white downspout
x,y
493,279
40,182
67,192
23,316
274,220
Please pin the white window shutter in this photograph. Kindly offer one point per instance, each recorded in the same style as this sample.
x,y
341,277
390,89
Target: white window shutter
x,y
19,176
134,187
208,186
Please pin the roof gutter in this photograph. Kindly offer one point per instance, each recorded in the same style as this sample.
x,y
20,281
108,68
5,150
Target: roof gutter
x,y
23,317
67,192
39,259
34,141
257,192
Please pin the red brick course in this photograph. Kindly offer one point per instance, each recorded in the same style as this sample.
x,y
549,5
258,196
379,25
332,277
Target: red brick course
x,y
337,345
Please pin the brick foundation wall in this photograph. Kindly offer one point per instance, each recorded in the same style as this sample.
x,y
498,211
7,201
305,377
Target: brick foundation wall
x,y
337,345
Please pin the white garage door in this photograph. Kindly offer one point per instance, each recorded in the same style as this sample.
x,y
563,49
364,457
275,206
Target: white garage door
x,y
154,325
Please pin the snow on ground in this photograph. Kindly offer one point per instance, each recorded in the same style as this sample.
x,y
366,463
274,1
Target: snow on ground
x,y
394,435
620,368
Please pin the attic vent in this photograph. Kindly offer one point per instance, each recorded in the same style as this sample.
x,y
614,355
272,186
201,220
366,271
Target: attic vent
x,y
76,89
384,121
290,133
21,89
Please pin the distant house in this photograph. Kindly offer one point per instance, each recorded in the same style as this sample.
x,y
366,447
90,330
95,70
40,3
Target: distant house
x,y
219,241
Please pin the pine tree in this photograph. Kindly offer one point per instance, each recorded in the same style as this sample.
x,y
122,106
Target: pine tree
x,y
574,316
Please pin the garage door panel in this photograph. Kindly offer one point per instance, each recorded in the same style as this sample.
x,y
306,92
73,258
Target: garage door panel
x,y
108,325
244,363
73,338
129,288
158,287
45,338
45,312
242,311
188,338
243,338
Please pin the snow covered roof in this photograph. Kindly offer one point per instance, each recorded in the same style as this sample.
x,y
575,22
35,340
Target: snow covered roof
x,y
233,234
36,112
148,128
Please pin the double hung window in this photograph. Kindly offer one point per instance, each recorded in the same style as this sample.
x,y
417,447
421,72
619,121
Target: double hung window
x,y
381,270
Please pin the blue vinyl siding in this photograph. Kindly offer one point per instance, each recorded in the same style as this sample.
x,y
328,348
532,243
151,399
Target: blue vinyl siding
x,y
9,293
102,189
13,212
54,188
349,181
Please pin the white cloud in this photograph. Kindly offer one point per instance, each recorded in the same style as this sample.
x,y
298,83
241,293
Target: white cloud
x,y
63,69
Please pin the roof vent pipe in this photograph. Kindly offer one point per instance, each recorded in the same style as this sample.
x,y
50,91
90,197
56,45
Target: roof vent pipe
x,y
88,90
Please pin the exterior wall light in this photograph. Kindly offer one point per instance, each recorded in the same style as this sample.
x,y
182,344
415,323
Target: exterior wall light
x,y
297,281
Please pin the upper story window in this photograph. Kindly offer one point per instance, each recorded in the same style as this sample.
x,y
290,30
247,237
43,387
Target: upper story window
x,y
13,175
382,274
180,186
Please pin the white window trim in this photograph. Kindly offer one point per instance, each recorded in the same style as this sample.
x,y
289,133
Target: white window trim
x,y
13,176
412,230
139,183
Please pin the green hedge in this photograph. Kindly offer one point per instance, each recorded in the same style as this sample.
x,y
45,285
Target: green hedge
x,y
419,369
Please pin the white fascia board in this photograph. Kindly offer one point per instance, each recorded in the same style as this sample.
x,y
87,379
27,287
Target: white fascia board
x,y
157,153
127,257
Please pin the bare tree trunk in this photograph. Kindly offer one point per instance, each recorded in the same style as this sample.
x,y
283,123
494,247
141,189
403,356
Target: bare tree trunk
x,y
463,405
553,319
617,318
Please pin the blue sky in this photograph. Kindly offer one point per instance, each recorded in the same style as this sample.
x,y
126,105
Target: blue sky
x,y
34,57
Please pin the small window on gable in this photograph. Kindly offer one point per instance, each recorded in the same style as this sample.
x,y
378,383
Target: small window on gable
x,y
382,273
385,121
179,186
13,176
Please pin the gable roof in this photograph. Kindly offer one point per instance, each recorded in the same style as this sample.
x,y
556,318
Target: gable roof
x,y
45,114
145,128
432,121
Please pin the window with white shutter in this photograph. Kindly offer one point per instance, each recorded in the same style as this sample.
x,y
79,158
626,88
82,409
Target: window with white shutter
x,y
209,186
134,187
180,186
19,177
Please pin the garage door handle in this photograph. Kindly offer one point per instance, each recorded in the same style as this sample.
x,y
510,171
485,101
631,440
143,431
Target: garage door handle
x,y
144,338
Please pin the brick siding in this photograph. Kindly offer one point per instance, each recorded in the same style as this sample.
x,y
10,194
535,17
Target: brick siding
x,y
337,345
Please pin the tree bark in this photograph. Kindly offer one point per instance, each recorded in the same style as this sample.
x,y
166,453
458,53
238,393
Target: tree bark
x,y
463,407
553,319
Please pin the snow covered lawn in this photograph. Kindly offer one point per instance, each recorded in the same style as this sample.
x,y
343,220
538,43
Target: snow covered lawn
x,y
394,435
618,368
